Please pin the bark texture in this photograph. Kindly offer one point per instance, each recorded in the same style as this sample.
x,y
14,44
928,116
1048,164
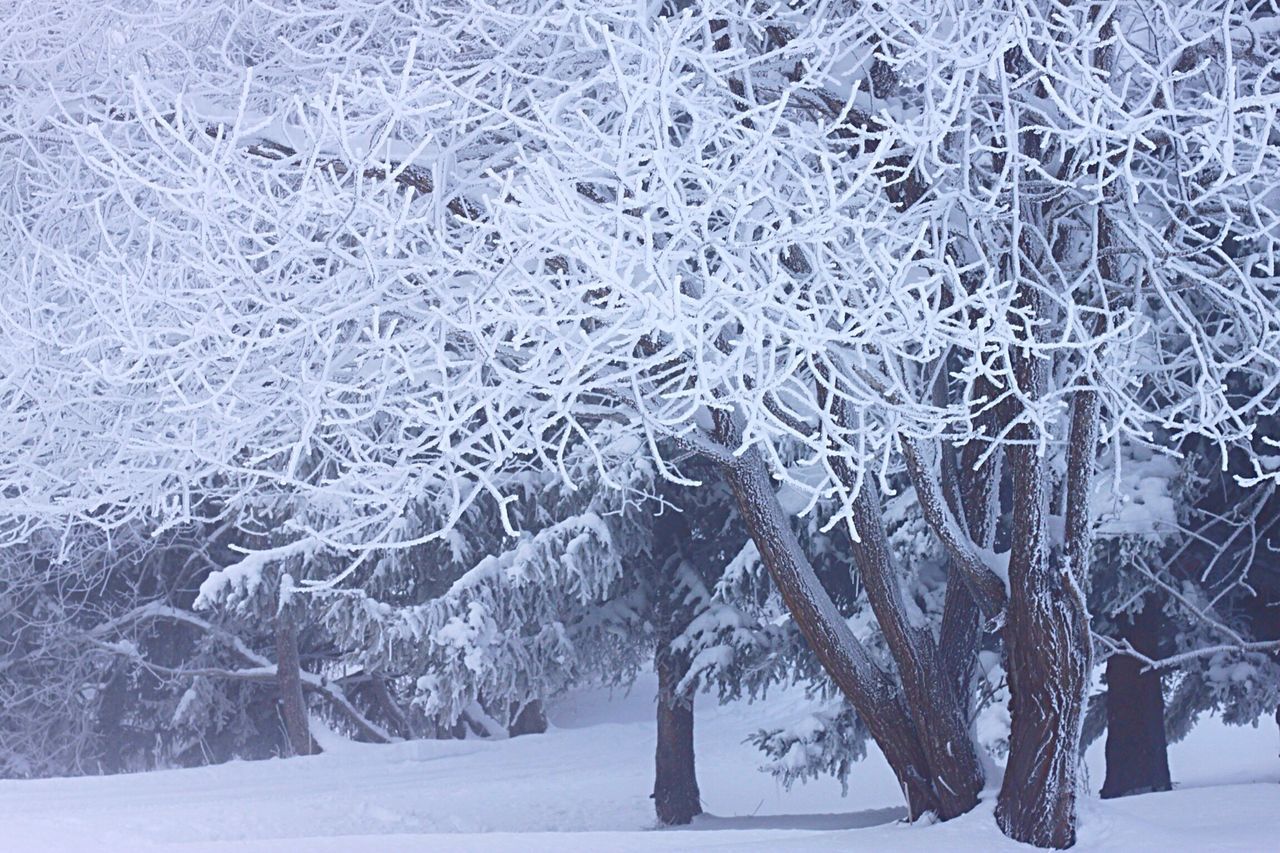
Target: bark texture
x,y
940,723
1136,749
293,706
871,691
959,640
1047,634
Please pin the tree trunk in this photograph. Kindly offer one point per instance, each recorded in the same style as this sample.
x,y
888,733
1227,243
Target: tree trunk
x,y
293,706
1047,632
870,690
940,724
969,489
675,784
397,722
676,798
1137,756
531,720
959,639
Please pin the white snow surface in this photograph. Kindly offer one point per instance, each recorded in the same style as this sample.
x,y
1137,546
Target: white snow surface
x,y
584,785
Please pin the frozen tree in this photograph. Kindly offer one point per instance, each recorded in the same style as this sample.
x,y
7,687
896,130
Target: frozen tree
x,y
998,234
371,253
249,344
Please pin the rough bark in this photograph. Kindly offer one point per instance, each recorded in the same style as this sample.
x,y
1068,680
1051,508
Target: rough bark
x,y
293,707
1136,749
871,691
941,725
959,639
1046,633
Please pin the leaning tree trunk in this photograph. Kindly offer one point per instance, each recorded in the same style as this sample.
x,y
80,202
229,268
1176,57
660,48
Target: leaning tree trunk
x,y
293,706
873,694
1047,632
941,725
1137,750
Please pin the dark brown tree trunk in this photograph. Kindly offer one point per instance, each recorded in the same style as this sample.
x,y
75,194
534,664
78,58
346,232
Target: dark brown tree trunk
x,y
870,690
1047,632
675,784
676,798
293,706
1137,751
530,720
940,724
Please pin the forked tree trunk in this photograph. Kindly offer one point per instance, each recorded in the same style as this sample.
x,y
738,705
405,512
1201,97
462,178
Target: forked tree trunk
x,y
871,691
1137,750
940,724
1047,632
293,706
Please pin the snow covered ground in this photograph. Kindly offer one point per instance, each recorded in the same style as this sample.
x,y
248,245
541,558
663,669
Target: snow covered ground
x,y
584,786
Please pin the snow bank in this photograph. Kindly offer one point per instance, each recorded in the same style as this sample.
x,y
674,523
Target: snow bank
x,y
584,786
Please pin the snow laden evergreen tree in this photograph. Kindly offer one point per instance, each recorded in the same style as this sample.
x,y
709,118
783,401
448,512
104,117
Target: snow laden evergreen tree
x,y
686,541
487,627
106,670
1191,619
1139,507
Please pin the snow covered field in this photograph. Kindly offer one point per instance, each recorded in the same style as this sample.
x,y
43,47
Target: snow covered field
x,y
584,786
